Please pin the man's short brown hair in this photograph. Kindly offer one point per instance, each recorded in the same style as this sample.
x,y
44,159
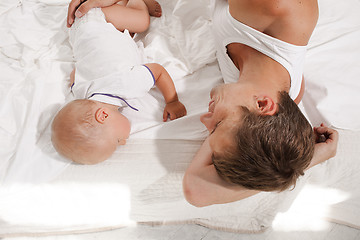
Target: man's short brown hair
x,y
270,152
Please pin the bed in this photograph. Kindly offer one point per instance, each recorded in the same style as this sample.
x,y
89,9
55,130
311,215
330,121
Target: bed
x,y
43,194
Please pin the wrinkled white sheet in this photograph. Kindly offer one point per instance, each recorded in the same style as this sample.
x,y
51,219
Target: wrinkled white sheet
x,y
142,181
142,184
332,66
38,61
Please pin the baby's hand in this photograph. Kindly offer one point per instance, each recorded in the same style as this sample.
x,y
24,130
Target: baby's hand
x,y
175,110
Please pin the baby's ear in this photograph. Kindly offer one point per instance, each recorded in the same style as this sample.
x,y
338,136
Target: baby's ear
x,y
101,115
265,105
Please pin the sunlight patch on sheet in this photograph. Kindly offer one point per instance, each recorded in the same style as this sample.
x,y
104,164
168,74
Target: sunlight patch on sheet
x,y
65,204
309,210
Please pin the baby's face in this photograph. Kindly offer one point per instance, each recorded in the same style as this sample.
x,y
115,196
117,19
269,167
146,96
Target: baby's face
x,y
115,132
119,128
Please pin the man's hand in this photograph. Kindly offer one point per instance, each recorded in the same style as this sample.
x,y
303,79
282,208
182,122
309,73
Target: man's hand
x,y
79,7
326,144
326,141
174,110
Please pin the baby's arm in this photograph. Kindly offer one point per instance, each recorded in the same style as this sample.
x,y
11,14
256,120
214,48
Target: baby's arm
x,y
78,8
163,81
133,17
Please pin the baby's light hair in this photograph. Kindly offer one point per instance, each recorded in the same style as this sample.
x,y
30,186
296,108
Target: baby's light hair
x,y
77,135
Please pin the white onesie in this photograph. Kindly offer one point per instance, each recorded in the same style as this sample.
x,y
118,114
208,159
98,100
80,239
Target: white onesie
x,y
228,30
108,62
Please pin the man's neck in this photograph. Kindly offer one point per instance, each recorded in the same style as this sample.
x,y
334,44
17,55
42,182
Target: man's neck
x,y
261,71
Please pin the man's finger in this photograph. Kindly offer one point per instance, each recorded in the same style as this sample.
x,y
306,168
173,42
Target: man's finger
x,y
329,133
325,130
333,135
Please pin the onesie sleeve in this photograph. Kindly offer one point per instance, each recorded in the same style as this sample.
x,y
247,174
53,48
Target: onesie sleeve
x,y
138,81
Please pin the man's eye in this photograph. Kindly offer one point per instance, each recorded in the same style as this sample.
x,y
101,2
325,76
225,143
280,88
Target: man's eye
x,y
217,124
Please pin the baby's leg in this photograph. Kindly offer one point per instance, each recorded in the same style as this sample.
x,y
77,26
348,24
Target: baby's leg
x,y
154,7
134,17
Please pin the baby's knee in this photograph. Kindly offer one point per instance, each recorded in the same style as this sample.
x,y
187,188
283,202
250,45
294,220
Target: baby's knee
x,y
143,21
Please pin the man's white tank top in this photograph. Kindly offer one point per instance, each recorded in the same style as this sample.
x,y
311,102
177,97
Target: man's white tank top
x,y
227,29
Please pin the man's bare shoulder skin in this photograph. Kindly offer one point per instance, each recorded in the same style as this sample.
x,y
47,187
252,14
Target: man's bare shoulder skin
x,y
292,21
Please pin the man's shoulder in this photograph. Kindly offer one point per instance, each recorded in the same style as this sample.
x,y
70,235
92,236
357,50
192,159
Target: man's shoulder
x,y
262,7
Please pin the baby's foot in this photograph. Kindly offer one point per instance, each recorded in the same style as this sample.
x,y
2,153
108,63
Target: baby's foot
x,y
122,2
154,8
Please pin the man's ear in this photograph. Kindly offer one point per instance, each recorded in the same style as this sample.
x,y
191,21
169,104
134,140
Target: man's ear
x,y
101,115
265,105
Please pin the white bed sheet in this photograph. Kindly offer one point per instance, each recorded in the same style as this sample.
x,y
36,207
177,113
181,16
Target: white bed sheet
x,y
143,179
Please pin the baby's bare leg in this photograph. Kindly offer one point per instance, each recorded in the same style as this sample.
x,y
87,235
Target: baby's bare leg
x,y
133,17
154,7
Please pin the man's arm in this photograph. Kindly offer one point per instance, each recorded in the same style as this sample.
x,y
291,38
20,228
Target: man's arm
x,y
164,82
326,144
203,186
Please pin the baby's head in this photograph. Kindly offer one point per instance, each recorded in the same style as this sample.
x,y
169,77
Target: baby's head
x,y
88,132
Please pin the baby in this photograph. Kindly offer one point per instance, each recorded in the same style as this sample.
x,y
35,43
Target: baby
x,y
108,71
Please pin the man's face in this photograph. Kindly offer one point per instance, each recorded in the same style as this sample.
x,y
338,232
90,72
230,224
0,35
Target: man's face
x,y
225,112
